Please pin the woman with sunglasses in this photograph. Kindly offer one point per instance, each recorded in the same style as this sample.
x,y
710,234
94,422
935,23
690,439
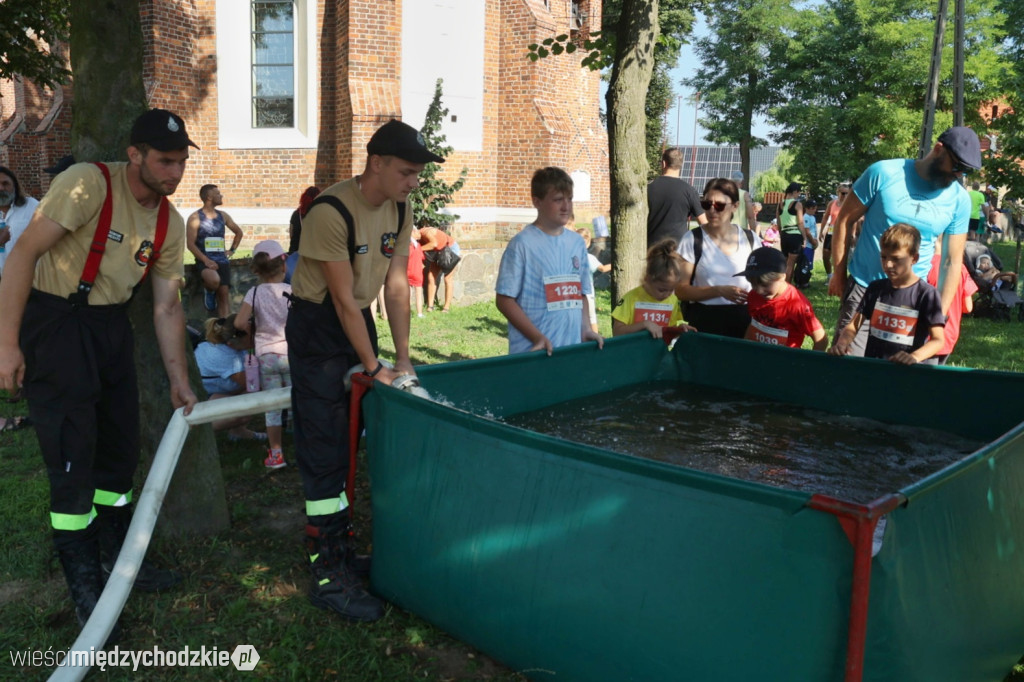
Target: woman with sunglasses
x,y
712,255
831,212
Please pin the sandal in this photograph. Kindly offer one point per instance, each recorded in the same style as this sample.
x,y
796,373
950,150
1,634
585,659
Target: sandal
x,y
15,424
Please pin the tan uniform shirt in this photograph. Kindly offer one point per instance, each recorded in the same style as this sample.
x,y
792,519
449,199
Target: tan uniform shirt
x,y
74,201
325,238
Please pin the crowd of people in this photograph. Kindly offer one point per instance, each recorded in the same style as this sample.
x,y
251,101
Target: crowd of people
x,y
65,339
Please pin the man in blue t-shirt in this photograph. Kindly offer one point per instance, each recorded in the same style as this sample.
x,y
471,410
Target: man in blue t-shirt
x,y
926,194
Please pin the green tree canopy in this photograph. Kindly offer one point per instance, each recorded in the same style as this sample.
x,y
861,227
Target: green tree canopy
x,y
746,41
856,79
1004,167
27,28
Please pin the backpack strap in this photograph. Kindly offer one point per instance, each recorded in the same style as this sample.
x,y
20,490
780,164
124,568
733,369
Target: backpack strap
x,y
338,206
698,250
698,247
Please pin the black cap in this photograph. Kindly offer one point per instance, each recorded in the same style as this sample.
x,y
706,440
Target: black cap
x,y
794,187
161,129
61,166
762,260
964,144
395,138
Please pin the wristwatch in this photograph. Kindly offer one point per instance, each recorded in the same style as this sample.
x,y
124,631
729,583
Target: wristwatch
x,y
380,366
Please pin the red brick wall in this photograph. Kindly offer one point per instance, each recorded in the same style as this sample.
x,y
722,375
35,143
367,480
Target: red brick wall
x,y
549,113
535,113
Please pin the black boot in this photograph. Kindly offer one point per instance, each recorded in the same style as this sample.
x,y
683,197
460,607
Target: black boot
x,y
335,586
112,526
80,559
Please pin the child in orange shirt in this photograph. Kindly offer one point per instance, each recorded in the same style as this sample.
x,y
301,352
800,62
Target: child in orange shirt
x,y
414,270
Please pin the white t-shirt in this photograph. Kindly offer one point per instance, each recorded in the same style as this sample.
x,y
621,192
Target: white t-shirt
x,y
716,268
17,220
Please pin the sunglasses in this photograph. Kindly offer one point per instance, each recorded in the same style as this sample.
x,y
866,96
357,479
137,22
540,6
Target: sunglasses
x,y
958,166
719,206
843,194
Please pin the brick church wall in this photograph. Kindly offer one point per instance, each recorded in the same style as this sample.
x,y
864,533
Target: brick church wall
x,y
534,114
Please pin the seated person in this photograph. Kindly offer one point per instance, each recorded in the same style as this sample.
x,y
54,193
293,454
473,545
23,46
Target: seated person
x,y
991,276
221,361
972,250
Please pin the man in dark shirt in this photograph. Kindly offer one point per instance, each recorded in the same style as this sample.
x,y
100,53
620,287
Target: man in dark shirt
x,y
671,201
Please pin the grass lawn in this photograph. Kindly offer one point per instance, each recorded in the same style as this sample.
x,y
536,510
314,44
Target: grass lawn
x,y
247,585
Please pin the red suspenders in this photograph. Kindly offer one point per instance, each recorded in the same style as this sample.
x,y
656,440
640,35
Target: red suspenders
x,y
99,241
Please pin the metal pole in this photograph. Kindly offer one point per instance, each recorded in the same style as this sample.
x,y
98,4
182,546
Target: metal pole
x,y
958,63
679,111
933,80
693,160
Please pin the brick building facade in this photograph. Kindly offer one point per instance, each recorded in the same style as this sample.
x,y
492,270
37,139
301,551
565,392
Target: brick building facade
x,y
509,115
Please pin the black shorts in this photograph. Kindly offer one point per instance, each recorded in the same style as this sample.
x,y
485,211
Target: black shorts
x,y
224,271
827,244
445,259
791,243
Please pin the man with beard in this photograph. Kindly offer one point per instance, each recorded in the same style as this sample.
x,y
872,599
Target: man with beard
x,y
65,335
16,210
925,193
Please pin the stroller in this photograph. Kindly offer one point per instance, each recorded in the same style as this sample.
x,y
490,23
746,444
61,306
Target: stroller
x,y
1002,304
997,298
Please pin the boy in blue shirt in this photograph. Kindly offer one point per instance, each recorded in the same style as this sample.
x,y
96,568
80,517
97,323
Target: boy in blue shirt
x,y
903,312
544,275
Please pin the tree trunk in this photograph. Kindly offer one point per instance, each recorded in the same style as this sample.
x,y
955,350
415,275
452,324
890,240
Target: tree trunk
x,y
748,124
106,63
634,61
195,503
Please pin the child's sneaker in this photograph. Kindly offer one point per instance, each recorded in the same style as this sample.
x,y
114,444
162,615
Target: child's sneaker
x,y
274,460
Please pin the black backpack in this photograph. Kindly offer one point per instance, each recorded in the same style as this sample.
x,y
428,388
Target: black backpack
x,y
802,270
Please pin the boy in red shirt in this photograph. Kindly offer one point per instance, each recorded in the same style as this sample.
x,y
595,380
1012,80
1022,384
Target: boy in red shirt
x,y
779,313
